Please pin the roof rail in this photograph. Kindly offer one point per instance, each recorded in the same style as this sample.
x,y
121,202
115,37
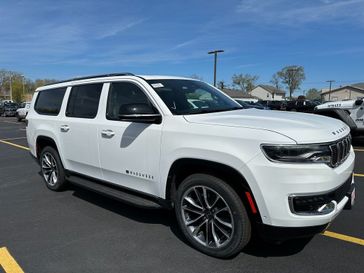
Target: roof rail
x,y
93,77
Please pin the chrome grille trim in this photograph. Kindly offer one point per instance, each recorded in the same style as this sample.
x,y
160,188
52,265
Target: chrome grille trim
x,y
340,151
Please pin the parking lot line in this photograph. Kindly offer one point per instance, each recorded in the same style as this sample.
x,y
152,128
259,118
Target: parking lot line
x,y
8,263
13,138
11,122
358,150
359,174
15,145
344,237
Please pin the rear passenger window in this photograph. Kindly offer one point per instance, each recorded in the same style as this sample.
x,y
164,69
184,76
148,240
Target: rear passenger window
x,y
83,101
49,101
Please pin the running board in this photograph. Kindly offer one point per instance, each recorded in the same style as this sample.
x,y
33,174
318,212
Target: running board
x,y
115,192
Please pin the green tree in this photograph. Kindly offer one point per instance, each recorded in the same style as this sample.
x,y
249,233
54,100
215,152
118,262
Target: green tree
x,y
313,94
245,82
20,86
292,76
42,82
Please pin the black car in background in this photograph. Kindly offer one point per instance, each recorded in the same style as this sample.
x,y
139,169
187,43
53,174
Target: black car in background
x,y
272,104
8,109
250,104
301,105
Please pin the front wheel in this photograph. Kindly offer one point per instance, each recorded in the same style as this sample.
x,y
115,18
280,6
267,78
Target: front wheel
x,y
52,169
211,216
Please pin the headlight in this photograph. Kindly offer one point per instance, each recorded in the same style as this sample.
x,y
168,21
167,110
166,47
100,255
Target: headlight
x,y
298,153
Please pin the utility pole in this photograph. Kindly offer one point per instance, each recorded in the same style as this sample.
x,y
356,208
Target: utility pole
x,y
11,87
330,81
215,52
22,78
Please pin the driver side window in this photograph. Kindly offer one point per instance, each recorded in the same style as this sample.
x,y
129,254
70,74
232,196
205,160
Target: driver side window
x,y
122,94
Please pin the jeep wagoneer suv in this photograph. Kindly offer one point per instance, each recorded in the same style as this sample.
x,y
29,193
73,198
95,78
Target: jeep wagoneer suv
x,y
181,143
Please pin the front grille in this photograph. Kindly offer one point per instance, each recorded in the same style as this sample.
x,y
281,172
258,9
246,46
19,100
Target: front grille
x,y
311,203
340,151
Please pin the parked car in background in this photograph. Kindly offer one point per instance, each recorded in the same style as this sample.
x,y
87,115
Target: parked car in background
x,y
273,104
349,111
249,104
301,105
8,109
22,112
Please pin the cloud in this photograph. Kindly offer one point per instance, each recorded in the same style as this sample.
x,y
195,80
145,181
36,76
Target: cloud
x,y
301,12
113,30
185,43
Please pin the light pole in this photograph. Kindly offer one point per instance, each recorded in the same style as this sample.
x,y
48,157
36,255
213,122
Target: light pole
x,y
330,81
215,52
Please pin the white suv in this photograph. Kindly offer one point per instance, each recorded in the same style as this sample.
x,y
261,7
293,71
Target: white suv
x,y
225,170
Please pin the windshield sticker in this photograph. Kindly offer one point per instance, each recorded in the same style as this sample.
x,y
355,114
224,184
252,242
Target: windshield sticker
x,y
157,85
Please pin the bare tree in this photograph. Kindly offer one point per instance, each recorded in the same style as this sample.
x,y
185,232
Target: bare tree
x,y
276,81
245,82
292,76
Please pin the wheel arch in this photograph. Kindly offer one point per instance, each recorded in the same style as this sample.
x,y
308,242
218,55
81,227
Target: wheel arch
x,y
183,167
43,141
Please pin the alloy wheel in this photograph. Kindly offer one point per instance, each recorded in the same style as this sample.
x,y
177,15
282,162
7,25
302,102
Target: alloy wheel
x,y
49,169
207,217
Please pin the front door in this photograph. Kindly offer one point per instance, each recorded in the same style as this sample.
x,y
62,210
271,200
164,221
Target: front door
x,y
129,151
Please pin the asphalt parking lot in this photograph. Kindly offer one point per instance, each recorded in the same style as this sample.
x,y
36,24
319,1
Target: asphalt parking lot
x,y
80,231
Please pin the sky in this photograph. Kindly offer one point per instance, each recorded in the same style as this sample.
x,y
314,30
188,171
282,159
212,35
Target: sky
x,y
65,39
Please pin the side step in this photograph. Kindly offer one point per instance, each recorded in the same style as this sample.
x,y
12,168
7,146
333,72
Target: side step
x,y
115,192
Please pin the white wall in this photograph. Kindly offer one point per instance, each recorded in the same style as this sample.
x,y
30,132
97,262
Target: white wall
x,y
263,94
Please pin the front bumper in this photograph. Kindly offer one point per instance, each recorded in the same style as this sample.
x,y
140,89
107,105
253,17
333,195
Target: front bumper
x,y
275,233
273,184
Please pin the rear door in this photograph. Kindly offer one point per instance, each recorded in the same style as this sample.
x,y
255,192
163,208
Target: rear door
x,y
78,130
129,151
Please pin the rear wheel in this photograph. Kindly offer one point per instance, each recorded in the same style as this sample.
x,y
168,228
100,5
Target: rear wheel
x,y
52,169
211,216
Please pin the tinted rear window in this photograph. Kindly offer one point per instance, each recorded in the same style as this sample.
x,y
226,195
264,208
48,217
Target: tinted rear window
x,y
84,101
49,101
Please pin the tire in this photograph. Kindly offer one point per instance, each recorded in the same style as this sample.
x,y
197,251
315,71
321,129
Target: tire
x,y
196,219
52,169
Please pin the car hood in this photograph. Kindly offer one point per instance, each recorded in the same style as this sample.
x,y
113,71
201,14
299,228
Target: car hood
x,y
302,128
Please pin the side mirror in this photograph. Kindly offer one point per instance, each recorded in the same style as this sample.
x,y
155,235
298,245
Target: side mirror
x,y
359,102
139,112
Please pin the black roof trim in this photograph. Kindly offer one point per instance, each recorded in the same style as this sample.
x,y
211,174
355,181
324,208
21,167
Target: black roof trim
x,y
93,77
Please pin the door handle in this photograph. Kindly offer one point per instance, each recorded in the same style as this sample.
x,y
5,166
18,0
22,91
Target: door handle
x,y
65,128
107,133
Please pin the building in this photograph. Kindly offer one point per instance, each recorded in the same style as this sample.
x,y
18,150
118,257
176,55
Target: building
x,y
267,92
348,92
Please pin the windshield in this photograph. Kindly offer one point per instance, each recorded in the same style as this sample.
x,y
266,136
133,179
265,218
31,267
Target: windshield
x,y
184,97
